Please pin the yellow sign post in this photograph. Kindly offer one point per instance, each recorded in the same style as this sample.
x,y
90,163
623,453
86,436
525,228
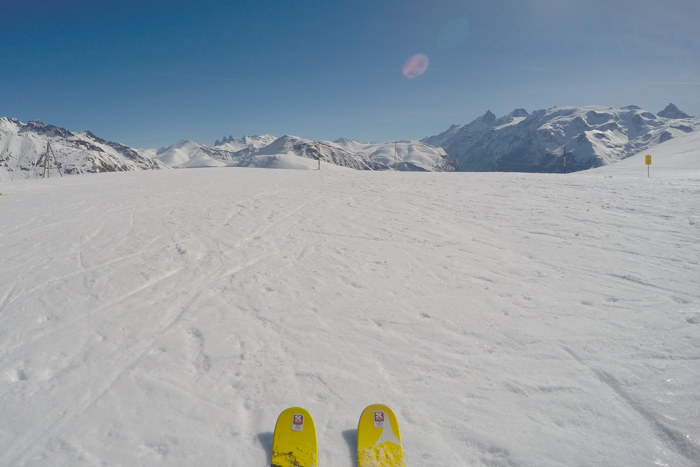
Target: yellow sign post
x,y
648,162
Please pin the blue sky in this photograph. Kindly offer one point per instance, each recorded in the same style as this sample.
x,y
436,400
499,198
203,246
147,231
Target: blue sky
x,y
150,73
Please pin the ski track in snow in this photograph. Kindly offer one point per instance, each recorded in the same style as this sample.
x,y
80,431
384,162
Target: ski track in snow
x,y
166,318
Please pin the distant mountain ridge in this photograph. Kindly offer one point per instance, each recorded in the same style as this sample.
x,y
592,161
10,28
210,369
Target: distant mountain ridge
x,y
254,152
23,146
232,144
590,136
584,137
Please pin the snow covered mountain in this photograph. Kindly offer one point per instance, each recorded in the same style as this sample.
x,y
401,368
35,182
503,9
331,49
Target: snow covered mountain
x,y
22,145
233,144
590,136
294,152
286,146
403,155
678,158
187,154
671,111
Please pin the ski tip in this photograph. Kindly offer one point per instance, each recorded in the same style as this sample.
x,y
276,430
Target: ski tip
x,y
379,438
294,442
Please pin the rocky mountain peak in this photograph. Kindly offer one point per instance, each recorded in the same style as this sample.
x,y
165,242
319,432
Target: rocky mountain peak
x,y
671,111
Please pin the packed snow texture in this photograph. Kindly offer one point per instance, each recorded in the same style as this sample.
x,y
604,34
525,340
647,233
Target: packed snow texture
x,y
168,317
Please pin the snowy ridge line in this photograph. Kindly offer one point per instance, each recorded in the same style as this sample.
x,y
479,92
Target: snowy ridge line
x,y
298,153
588,137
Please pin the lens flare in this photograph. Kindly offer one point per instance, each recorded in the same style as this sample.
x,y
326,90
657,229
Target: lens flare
x,y
415,66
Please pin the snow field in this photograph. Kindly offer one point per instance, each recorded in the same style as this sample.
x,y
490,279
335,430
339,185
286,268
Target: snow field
x,y
678,158
167,317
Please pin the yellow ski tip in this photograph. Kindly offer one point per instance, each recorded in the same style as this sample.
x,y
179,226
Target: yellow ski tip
x,y
379,438
294,443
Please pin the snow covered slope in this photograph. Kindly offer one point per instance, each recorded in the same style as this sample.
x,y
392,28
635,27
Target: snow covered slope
x,y
592,136
329,152
402,155
677,158
167,317
23,144
187,154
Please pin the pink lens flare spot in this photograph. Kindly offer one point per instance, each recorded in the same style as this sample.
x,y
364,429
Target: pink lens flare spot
x,y
415,66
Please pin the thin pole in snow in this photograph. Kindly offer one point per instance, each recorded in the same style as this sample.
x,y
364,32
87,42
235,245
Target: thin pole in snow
x,y
318,148
647,160
396,164
495,160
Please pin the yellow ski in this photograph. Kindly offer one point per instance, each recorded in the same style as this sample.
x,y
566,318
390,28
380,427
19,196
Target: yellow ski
x,y
294,442
379,438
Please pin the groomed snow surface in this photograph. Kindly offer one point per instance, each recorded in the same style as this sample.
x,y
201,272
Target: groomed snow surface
x,y
168,317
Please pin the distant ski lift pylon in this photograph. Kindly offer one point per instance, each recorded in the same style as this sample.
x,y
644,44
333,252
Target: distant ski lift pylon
x,y
47,161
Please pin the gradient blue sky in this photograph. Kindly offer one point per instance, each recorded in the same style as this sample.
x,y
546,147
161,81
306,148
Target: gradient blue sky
x,y
150,73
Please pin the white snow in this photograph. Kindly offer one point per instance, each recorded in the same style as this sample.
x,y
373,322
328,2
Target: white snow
x,y
512,122
167,317
590,136
676,158
22,146
179,154
291,161
394,153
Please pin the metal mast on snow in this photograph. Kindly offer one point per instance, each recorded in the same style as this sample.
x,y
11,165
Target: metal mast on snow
x,y
47,161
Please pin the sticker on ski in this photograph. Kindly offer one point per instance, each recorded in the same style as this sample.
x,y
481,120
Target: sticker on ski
x,y
379,419
298,422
